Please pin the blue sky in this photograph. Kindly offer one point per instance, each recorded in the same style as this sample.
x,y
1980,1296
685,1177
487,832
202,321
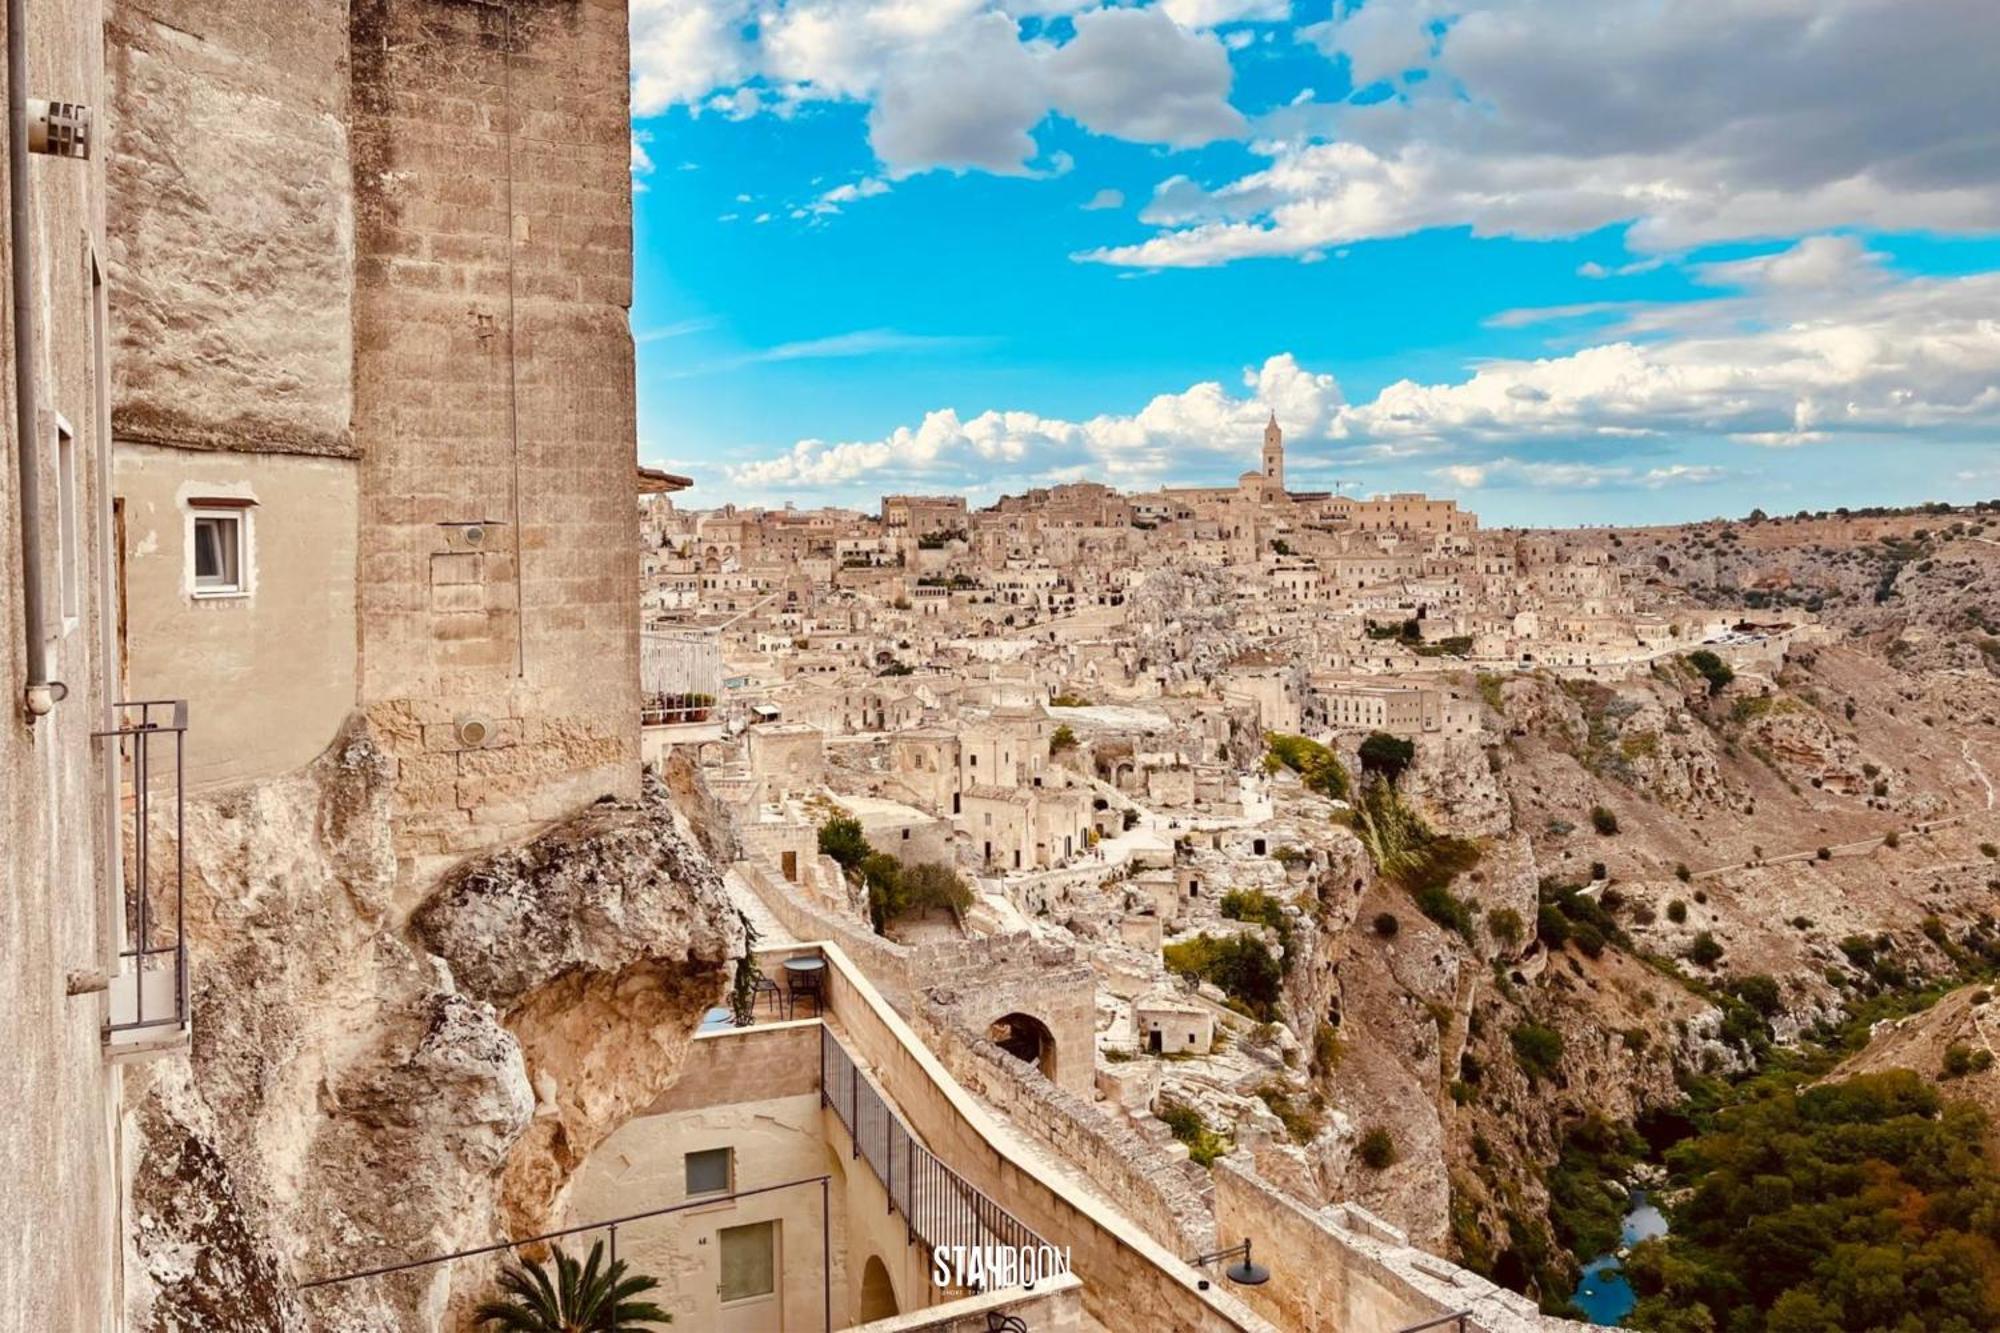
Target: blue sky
x,y
1573,260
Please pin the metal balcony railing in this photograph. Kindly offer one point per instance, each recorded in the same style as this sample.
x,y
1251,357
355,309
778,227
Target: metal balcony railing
x,y
149,994
940,1208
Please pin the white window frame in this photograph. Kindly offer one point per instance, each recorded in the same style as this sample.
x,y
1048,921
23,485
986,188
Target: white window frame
x,y
240,515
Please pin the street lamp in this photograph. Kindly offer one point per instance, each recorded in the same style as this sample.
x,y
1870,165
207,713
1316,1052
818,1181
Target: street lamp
x,y
1243,1273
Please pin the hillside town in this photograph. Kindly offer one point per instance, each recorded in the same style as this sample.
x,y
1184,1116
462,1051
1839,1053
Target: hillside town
x,y
455,869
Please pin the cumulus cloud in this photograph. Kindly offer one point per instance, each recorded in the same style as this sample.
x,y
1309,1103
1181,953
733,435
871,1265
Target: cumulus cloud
x,y
1693,122
1137,74
1106,198
1814,342
949,83
946,449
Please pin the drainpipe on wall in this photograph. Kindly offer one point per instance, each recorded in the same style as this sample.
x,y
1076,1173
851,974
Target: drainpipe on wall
x,y
42,693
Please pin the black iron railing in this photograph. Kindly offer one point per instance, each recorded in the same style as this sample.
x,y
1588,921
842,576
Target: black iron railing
x,y
151,988
609,1229
940,1208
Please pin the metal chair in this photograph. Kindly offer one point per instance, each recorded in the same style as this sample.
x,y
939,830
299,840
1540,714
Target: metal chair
x,y
1005,1323
767,987
801,984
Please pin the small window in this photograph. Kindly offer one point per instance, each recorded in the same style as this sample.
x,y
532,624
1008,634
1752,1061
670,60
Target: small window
x,y
708,1171
749,1256
218,552
69,571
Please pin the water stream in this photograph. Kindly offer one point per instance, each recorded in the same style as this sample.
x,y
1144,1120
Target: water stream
x,y
1603,1293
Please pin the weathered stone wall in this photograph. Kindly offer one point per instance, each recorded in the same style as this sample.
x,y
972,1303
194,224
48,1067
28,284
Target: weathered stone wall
x,y
1131,1279
494,387
231,221
1341,1270
1147,1184
57,1115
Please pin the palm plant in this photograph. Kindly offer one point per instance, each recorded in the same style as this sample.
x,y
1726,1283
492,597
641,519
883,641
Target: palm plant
x,y
581,1298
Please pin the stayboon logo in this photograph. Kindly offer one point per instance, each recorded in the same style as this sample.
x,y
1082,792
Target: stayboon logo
x,y
994,1267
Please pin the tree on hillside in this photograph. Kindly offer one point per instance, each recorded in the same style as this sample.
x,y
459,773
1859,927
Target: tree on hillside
x,y
1386,754
841,838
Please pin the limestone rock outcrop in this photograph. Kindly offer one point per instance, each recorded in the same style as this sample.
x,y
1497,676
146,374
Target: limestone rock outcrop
x,y
366,1088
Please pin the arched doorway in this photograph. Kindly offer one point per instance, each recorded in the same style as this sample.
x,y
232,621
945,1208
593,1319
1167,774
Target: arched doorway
x,y
1028,1040
878,1294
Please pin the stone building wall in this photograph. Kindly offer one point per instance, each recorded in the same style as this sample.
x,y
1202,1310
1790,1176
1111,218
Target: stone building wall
x,y
230,215
494,410
58,1176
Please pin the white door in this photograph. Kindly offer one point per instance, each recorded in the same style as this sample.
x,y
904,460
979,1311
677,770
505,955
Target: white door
x,y
750,1280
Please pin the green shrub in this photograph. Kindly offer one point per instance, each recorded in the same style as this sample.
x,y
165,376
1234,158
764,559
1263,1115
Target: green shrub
x,y
1386,754
1603,820
1377,1149
1677,911
1316,765
841,838
1386,925
1204,1145
1538,1049
1257,906
1711,669
1240,964
1704,951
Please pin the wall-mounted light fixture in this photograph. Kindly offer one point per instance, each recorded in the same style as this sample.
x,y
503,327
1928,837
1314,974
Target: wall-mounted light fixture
x,y
1243,1272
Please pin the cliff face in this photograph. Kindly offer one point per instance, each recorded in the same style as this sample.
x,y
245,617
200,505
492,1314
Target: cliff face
x,y
365,1089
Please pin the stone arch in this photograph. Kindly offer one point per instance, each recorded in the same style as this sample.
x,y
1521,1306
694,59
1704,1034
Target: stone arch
x,y
1026,1038
878,1293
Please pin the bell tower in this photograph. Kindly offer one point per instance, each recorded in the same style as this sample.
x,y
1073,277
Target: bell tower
x,y
1274,454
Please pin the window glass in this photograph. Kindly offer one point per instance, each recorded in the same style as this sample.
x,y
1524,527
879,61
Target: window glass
x,y
749,1260
218,552
708,1171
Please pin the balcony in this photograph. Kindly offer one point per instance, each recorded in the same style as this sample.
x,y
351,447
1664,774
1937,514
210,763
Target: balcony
x,y
680,675
148,1013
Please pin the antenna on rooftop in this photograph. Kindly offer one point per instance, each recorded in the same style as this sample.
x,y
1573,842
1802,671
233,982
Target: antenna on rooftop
x,y
1339,485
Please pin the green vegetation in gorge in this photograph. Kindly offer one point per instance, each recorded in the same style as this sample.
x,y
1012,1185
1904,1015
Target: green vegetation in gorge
x,y
1386,754
1260,907
1405,850
1711,669
1314,763
1240,964
1866,1206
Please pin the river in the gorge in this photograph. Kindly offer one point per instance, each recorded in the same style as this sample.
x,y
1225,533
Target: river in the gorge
x,y
1603,1293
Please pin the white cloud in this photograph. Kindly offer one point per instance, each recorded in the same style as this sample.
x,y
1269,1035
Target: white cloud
x,y
683,49
1563,476
1106,198
1136,74
969,101
1695,122
948,83
1205,419
1812,343
1214,13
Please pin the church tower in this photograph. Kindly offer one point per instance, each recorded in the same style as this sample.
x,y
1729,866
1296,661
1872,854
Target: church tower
x,y
1274,455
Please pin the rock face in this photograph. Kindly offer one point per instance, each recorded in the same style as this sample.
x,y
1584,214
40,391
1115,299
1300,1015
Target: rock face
x,y
364,1089
602,942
